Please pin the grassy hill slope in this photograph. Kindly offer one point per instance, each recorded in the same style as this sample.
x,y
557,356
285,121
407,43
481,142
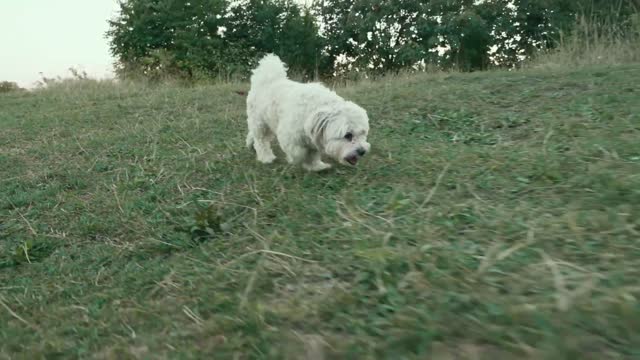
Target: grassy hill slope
x,y
497,216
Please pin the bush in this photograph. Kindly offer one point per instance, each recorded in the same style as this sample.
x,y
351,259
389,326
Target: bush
x,y
595,40
8,86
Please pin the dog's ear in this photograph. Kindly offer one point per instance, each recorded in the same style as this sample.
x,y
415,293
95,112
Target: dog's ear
x,y
319,124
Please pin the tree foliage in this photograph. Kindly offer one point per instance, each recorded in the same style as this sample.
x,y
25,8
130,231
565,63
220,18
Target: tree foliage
x,y
170,37
209,37
222,38
276,26
394,34
9,86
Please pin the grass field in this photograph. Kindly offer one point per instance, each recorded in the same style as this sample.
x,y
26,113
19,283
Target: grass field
x,y
497,217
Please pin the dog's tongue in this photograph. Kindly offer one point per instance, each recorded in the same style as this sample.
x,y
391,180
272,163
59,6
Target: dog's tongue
x,y
353,160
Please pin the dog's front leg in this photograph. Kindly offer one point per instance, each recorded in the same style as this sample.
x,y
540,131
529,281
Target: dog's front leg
x,y
296,154
300,155
313,162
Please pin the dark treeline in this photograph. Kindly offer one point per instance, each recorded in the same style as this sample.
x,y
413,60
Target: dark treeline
x,y
223,38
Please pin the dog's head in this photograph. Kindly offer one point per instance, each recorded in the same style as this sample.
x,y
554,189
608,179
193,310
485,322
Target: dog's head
x,y
341,132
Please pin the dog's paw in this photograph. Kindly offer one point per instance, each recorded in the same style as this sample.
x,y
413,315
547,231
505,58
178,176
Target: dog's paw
x,y
317,166
267,159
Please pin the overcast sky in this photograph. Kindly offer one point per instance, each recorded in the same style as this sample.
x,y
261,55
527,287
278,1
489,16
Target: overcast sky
x,y
50,36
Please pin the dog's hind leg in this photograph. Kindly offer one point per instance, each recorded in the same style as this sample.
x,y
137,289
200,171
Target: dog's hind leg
x,y
249,141
259,135
261,140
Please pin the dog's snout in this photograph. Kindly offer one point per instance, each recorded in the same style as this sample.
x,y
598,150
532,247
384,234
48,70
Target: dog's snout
x,y
361,151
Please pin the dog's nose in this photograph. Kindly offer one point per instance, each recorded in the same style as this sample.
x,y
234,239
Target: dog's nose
x,y
361,151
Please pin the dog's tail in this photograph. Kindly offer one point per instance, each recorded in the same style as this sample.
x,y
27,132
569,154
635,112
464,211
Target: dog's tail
x,y
269,69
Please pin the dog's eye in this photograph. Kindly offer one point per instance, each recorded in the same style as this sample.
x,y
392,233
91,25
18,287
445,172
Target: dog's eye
x,y
349,136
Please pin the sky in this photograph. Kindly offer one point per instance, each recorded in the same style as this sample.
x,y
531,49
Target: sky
x,y
50,36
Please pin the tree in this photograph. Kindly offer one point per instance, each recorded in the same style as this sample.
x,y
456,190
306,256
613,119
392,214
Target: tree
x,y
518,29
222,38
153,37
389,35
215,38
277,26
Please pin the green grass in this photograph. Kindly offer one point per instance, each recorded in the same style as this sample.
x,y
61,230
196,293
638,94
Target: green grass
x,y
498,216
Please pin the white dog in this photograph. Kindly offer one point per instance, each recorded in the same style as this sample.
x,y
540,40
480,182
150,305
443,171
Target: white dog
x,y
308,120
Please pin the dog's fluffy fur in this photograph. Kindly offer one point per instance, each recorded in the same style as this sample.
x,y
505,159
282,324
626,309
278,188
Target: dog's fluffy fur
x,y
308,120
